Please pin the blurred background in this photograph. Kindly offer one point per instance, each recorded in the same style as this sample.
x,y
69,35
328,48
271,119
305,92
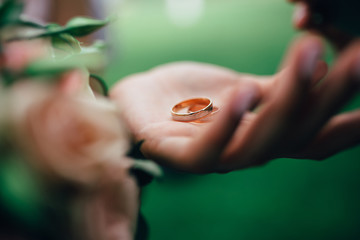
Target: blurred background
x,y
286,199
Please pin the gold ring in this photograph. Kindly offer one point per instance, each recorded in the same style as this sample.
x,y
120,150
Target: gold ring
x,y
200,107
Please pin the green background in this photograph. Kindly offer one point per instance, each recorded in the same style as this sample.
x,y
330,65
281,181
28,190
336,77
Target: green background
x,y
286,199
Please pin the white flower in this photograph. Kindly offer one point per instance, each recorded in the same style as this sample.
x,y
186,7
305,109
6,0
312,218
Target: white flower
x,y
67,135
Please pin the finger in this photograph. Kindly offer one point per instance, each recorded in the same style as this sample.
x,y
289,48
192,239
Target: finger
x,y
266,84
302,15
321,70
200,153
340,133
210,145
258,141
333,93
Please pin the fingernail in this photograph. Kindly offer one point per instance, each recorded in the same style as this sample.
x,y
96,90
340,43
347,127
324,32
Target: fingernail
x,y
301,15
312,52
242,101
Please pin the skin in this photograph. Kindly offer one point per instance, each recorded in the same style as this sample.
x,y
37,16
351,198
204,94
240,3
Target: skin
x,y
295,113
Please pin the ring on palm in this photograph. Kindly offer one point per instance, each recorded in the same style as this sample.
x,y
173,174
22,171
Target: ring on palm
x,y
192,109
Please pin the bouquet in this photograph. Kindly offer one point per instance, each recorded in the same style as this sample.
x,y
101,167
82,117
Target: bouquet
x,y
67,171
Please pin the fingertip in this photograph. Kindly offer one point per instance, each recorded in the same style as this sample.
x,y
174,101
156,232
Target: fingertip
x,y
301,16
312,42
304,56
306,43
309,61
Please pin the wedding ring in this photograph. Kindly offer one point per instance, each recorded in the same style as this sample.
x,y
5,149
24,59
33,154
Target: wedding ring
x,y
180,112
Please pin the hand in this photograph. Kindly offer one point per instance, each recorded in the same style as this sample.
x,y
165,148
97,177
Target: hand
x,y
293,114
336,20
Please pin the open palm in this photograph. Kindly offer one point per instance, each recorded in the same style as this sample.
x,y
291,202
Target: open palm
x,y
292,111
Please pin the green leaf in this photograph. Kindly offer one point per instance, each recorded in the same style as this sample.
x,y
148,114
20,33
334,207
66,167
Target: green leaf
x,y
10,11
98,85
81,26
51,67
21,29
145,171
27,23
98,46
65,43
48,67
148,166
53,27
77,27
